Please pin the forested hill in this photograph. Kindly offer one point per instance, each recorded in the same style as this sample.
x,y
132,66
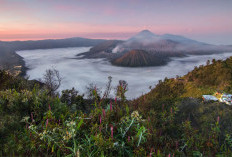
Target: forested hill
x,y
216,75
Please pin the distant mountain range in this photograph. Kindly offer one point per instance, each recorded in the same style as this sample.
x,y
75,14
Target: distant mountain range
x,y
143,49
9,59
159,48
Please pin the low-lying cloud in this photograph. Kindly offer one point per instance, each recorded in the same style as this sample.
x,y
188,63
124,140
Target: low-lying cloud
x,y
79,73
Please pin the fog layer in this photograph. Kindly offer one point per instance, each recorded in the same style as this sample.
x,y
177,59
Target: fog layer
x,y
79,73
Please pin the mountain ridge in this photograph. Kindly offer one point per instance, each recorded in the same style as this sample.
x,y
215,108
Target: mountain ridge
x,y
9,59
161,46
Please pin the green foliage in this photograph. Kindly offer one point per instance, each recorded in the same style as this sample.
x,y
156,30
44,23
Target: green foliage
x,y
160,123
8,81
218,75
73,100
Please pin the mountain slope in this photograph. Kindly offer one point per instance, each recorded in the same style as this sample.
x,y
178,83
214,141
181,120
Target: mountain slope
x,y
167,43
160,46
144,36
147,41
184,95
216,75
181,39
137,58
102,50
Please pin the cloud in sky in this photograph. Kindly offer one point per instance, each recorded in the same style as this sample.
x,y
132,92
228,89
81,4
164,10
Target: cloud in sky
x,y
112,18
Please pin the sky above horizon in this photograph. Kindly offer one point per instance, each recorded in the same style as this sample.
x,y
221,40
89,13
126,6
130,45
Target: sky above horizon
x,y
203,20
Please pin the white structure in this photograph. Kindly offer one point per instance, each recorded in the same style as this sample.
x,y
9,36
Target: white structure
x,y
209,98
226,98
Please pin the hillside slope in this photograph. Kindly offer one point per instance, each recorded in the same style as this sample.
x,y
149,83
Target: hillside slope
x,y
215,75
138,58
102,50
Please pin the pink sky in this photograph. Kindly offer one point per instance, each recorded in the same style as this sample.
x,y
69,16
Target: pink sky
x,y
208,20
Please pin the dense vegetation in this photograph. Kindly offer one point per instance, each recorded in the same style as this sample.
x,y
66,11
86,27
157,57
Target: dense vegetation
x,y
171,120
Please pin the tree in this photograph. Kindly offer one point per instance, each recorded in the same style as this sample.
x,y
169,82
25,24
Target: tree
x,y
213,61
93,92
122,88
73,99
108,88
52,80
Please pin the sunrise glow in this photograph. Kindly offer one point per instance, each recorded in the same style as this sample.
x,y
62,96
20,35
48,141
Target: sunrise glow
x,y
208,21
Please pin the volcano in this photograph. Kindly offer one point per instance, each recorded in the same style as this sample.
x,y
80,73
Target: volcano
x,y
146,49
137,58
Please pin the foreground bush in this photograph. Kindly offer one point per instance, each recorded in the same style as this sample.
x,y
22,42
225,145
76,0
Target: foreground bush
x,y
34,124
